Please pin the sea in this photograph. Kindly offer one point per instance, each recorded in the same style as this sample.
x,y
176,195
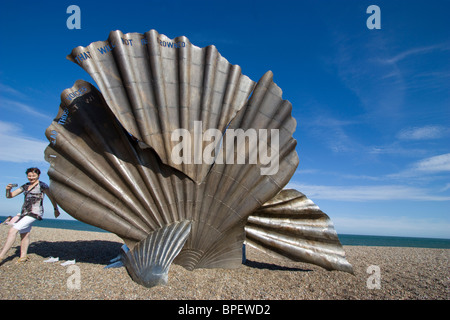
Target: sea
x,y
345,239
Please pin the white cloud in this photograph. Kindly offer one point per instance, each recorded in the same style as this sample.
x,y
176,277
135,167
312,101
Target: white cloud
x,y
367,193
423,133
11,104
411,52
425,168
395,149
439,163
10,90
16,147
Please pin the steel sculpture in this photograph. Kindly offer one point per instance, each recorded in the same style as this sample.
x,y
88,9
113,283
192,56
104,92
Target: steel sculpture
x,y
149,157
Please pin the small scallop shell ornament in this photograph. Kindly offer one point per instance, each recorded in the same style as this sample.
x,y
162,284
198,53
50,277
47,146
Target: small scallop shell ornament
x,y
183,157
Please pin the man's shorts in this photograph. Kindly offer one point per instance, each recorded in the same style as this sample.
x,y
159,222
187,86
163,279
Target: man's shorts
x,y
24,224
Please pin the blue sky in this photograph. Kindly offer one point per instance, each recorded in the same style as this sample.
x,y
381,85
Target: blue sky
x,y
372,105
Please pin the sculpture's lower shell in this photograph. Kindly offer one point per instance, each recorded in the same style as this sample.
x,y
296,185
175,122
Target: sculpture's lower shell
x,y
149,261
292,226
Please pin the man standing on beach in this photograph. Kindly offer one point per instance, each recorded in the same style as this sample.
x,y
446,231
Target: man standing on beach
x,y
32,210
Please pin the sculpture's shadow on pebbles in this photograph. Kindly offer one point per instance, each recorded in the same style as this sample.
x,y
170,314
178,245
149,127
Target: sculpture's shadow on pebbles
x,y
92,251
270,266
102,251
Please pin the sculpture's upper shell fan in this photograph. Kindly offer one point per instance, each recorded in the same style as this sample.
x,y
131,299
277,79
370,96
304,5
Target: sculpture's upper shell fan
x,y
155,85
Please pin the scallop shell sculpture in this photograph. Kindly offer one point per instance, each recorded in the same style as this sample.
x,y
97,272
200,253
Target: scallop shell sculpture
x,y
115,158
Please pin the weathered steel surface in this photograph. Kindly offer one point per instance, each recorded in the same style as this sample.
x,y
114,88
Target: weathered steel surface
x,y
149,261
292,226
101,176
112,158
155,85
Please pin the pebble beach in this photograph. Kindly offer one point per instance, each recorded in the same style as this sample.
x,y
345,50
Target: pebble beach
x,y
380,273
